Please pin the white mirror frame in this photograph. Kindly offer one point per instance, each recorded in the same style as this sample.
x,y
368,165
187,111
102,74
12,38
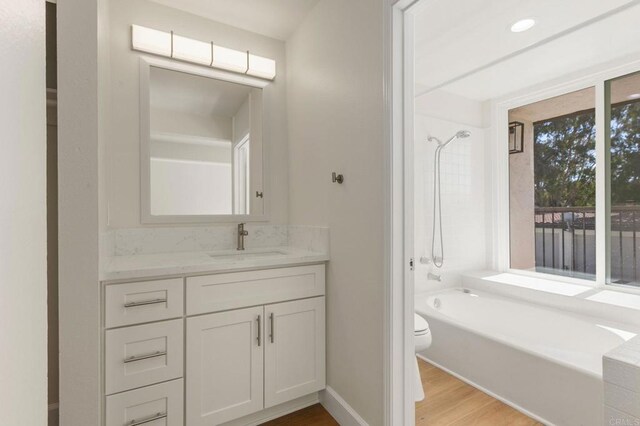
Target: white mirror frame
x,y
145,132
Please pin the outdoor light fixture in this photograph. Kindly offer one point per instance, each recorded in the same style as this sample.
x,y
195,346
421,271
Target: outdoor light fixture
x,y
516,137
523,25
199,52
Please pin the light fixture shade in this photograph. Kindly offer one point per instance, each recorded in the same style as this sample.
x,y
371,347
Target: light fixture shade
x,y
188,49
150,40
229,59
261,67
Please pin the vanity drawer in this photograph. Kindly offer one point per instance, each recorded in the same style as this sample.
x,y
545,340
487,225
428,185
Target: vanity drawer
x,y
135,303
142,355
161,404
220,292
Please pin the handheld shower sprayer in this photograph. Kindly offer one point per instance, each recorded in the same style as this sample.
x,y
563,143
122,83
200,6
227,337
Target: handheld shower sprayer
x,y
437,199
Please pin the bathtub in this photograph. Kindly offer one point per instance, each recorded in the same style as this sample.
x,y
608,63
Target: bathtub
x,y
542,361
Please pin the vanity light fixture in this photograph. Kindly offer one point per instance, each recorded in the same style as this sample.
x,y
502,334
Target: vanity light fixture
x,y
150,40
186,49
523,25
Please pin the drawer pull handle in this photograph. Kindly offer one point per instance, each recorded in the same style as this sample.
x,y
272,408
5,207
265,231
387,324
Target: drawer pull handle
x,y
272,332
259,319
141,357
156,416
144,302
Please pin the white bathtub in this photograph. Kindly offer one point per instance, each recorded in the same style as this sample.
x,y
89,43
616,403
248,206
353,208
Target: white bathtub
x,y
545,362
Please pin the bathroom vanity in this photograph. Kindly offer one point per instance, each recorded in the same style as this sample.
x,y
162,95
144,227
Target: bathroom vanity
x,y
196,330
212,347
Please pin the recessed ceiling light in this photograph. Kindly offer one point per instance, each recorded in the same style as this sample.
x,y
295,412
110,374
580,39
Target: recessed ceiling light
x,y
523,25
634,96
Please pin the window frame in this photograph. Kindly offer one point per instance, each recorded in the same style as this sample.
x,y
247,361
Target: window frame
x,y
497,162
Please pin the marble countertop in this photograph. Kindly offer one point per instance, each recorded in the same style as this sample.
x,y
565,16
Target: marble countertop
x,y
184,263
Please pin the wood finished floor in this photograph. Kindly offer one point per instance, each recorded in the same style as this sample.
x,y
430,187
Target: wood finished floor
x,y
449,401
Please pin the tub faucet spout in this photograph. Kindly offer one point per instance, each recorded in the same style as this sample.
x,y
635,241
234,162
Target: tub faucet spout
x,y
433,277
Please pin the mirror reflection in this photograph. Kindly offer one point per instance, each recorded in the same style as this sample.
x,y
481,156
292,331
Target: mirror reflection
x,y
205,147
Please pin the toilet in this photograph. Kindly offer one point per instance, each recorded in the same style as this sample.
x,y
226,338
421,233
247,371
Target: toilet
x,y
422,340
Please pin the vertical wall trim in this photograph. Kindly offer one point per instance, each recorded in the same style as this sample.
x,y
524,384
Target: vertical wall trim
x,y
78,151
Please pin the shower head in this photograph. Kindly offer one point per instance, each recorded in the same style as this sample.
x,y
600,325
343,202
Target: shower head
x,y
461,134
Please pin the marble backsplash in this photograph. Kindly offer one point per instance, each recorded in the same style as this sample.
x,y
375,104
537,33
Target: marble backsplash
x,y
140,241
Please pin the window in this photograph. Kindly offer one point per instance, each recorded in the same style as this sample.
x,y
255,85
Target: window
x,y
554,210
552,190
623,105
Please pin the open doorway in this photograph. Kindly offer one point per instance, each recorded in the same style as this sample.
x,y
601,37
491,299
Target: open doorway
x,y
514,128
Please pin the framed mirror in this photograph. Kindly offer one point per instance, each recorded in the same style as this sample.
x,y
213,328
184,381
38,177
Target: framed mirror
x,y
202,148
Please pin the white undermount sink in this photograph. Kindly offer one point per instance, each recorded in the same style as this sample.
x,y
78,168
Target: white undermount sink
x,y
243,255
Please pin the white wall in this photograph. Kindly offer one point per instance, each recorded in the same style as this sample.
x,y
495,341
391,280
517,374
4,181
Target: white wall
x,y
463,197
182,123
124,143
23,251
335,113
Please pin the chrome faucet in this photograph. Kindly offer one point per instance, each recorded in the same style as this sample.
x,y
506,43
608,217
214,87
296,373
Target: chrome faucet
x,y
241,234
433,277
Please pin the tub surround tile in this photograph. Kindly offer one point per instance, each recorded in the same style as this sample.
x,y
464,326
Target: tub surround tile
x,y
622,399
621,374
615,417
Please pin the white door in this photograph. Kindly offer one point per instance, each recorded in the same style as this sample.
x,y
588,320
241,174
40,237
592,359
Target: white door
x,y
224,366
294,350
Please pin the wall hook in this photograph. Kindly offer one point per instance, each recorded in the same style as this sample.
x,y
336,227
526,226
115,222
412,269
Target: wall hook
x,y
337,178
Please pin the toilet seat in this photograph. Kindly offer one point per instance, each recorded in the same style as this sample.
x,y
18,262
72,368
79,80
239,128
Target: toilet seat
x,y
420,325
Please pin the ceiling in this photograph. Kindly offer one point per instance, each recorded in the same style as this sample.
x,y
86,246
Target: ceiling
x,y
466,46
193,94
272,18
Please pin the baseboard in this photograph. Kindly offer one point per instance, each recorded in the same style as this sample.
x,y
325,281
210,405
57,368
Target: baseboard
x,y
488,392
275,412
339,409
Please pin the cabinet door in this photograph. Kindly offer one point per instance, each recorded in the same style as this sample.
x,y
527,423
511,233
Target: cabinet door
x,y
294,350
224,366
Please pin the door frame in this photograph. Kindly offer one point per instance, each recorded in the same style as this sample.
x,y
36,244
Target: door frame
x,y
399,354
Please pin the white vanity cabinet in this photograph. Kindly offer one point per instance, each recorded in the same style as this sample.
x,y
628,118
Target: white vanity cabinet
x,y
224,366
250,341
294,351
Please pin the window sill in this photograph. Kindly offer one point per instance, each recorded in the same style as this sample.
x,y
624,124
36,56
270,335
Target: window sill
x,y
610,302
